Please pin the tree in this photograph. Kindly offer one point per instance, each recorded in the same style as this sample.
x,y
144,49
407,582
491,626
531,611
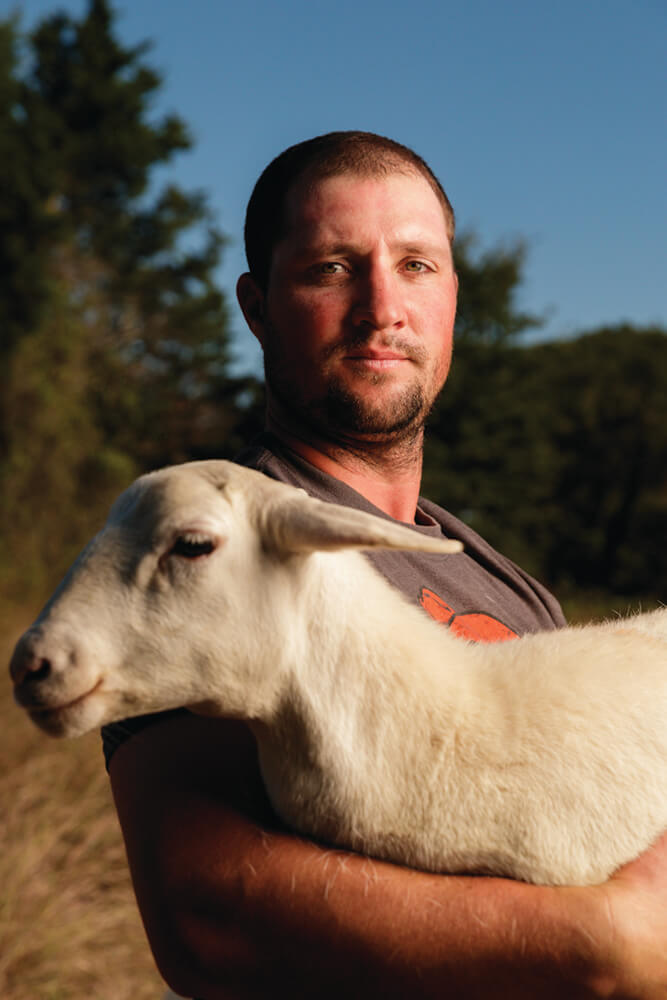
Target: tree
x,y
608,394
59,472
467,440
113,330
555,452
559,457
27,224
487,312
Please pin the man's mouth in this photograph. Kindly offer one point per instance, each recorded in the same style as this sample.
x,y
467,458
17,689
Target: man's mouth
x,y
376,360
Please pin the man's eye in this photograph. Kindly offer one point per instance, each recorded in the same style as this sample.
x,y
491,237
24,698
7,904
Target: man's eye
x,y
331,267
415,266
191,547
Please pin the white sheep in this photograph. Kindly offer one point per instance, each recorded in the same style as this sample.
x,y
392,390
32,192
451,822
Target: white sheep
x,y
214,587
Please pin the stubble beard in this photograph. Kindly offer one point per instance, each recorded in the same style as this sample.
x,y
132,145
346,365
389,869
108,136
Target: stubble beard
x,y
339,413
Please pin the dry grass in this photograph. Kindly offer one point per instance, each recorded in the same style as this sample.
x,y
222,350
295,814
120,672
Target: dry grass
x,y
69,926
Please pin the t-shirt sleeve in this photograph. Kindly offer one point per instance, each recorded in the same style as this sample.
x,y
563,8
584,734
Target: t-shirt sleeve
x,y
116,733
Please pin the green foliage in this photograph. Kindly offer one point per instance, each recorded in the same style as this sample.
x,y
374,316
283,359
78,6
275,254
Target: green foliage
x,y
92,99
59,474
555,452
488,281
27,224
476,435
113,332
608,392
558,454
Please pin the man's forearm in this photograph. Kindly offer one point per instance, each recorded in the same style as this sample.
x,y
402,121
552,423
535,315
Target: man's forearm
x,y
312,923
236,908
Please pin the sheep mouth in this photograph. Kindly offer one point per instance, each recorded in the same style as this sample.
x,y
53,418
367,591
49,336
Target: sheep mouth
x,y
43,712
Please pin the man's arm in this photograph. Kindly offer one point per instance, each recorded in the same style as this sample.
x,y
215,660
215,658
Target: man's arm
x,y
235,907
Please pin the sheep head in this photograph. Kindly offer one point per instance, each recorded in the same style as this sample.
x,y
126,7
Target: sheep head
x,y
185,598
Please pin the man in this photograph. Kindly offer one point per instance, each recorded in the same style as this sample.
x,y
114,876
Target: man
x,y
352,292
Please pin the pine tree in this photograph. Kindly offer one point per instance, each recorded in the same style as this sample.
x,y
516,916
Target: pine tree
x,y
121,270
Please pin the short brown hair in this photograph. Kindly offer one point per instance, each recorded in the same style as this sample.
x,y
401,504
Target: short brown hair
x,y
329,155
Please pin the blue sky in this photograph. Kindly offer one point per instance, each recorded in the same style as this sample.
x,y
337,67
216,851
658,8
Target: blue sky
x,y
544,121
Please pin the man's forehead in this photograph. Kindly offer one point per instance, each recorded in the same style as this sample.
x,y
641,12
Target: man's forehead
x,y
334,209
303,194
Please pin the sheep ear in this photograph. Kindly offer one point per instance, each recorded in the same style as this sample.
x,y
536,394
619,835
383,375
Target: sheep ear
x,y
303,524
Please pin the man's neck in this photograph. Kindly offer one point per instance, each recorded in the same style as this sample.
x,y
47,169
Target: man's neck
x,y
388,475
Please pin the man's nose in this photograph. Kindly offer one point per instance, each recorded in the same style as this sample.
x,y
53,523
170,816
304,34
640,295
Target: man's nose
x,y
379,302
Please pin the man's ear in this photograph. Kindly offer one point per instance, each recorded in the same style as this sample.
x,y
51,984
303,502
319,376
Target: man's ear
x,y
251,300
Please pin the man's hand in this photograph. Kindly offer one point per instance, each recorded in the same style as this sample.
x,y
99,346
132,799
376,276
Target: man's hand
x,y
635,905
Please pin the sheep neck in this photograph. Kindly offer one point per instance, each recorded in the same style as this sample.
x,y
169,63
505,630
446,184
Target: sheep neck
x,y
353,680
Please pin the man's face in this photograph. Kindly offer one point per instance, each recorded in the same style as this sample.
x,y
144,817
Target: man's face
x,y
359,311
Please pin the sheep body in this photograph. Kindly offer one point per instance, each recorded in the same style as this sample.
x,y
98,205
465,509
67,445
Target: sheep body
x,y
216,588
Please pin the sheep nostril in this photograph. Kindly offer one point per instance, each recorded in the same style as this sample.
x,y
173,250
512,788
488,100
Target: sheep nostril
x,y
25,666
40,671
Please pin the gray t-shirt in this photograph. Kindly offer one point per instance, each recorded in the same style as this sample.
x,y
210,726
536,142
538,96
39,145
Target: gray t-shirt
x,y
478,593
479,581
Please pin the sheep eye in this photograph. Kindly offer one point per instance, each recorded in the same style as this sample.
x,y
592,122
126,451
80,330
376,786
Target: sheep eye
x,y
191,548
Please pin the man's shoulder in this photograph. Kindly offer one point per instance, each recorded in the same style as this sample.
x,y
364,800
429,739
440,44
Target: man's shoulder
x,y
456,528
480,581
269,455
262,453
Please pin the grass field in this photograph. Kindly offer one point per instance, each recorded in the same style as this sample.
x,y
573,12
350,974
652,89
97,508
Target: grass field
x,y
69,926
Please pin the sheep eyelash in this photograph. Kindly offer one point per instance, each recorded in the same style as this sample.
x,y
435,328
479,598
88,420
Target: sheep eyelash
x,y
192,547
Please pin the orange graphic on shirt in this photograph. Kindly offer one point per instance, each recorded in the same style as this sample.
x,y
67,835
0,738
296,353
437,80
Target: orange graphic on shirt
x,y
473,625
